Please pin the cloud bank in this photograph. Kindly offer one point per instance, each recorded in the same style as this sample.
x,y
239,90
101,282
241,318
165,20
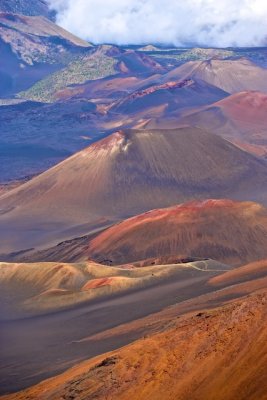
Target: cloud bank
x,y
218,23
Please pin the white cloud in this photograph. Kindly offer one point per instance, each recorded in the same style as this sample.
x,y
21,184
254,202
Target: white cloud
x,y
205,22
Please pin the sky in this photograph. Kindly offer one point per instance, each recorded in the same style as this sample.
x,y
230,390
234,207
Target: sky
x,y
218,23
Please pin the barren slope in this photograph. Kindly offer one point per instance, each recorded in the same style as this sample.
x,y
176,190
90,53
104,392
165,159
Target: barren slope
x,y
230,232
219,354
126,174
240,118
232,76
249,272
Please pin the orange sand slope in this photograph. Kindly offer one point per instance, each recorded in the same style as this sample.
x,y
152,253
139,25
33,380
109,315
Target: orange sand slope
x,y
216,354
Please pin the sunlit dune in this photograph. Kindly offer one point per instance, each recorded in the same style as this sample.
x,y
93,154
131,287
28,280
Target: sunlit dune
x,y
37,288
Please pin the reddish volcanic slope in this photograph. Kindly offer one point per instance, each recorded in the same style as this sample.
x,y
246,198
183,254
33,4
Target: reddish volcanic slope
x,y
240,118
228,231
126,174
246,107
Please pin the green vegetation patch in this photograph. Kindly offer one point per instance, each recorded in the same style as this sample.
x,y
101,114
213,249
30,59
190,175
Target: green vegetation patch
x,y
85,68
